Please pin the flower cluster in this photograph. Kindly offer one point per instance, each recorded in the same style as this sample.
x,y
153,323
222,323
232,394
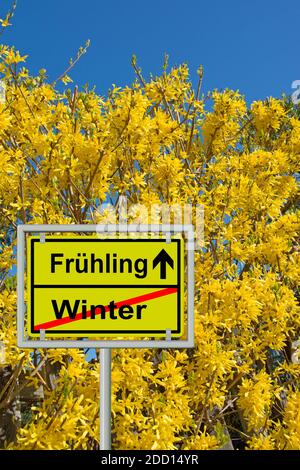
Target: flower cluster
x,y
61,155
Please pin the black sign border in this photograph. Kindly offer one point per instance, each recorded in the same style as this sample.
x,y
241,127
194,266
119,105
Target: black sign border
x,y
33,286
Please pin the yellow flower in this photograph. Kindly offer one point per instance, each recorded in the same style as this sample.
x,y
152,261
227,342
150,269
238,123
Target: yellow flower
x,y
267,115
255,400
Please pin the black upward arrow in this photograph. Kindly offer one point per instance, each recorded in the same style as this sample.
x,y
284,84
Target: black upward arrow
x,y
163,259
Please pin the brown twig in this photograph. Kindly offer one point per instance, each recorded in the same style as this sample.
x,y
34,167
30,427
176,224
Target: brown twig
x,y
80,53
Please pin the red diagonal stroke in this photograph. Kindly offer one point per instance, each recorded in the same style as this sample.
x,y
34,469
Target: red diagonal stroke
x,y
132,301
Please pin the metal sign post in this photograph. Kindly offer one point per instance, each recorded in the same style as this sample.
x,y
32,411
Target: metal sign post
x,y
105,399
153,284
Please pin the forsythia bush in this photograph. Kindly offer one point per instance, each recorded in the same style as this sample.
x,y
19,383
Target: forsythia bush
x,y
61,155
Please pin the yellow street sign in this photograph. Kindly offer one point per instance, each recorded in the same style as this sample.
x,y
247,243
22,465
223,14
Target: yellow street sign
x,y
86,286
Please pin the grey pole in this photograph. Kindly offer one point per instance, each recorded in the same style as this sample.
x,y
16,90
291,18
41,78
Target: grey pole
x,y
105,399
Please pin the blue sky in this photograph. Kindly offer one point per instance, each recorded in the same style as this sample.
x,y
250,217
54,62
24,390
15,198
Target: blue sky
x,y
252,45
